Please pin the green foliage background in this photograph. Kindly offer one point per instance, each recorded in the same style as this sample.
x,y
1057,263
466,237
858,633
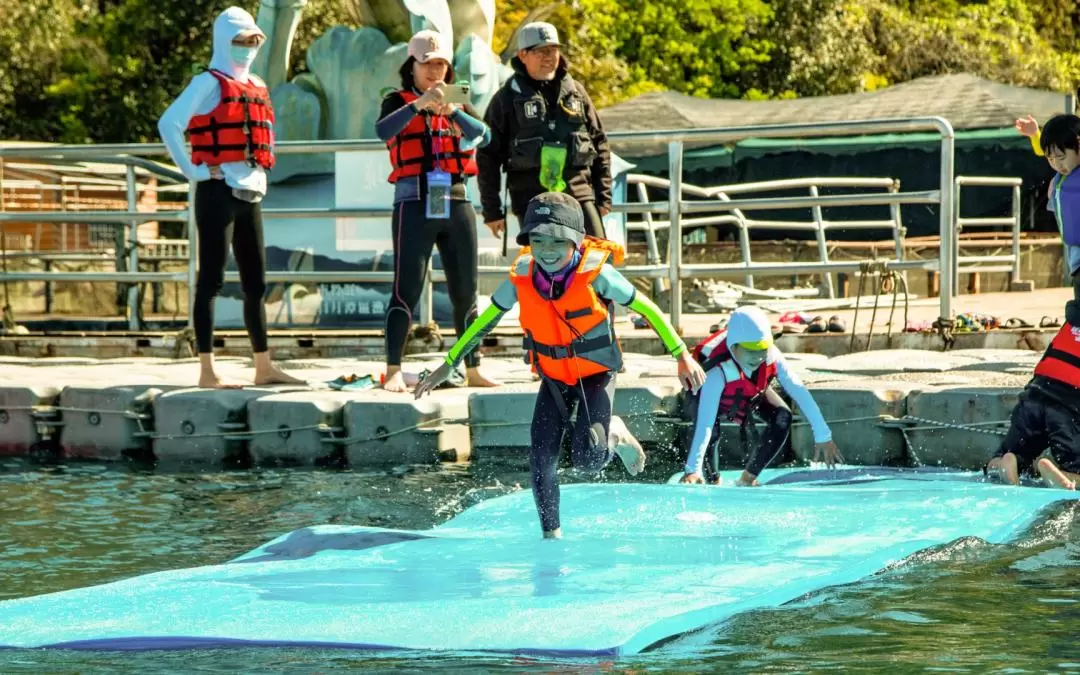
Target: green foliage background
x,y
77,71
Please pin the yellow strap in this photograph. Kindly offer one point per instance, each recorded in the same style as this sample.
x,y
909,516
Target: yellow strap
x,y
1036,143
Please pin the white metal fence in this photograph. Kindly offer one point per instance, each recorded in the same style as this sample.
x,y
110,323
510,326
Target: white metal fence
x,y
709,206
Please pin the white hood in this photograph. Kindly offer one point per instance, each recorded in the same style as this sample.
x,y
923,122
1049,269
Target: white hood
x,y
230,23
748,324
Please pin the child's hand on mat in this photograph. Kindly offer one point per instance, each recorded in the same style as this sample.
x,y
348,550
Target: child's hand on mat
x,y
1027,126
690,373
695,478
434,379
828,452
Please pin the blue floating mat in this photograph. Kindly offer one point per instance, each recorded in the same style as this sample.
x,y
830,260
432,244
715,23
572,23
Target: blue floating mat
x,y
640,563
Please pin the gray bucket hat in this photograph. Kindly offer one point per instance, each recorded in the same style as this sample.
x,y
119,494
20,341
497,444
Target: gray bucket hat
x,y
556,214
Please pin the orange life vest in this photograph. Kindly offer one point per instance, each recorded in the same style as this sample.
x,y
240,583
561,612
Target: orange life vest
x,y
239,129
1061,361
741,393
428,142
572,336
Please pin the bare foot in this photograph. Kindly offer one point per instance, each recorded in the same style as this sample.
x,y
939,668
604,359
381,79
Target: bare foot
x,y
626,446
1005,467
274,375
1053,475
747,480
211,381
474,378
553,534
396,382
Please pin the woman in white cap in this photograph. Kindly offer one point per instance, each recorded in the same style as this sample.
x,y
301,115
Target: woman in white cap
x,y
227,115
431,145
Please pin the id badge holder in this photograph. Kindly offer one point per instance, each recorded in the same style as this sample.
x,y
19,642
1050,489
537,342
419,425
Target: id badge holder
x,y
438,195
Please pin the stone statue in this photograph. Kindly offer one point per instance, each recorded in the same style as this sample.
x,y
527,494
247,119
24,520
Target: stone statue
x,y
349,70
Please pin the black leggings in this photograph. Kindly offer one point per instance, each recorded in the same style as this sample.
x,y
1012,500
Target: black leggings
x,y
414,236
554,403
1039,422
221,218
777,416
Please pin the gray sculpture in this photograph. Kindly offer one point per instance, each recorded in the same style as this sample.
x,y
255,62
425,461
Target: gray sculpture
x,y
349,69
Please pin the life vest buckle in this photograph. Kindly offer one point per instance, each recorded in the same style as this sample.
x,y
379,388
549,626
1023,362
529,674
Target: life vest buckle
x,y
563,352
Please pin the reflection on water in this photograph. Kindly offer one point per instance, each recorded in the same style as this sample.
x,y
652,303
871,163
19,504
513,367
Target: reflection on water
x,y
965,607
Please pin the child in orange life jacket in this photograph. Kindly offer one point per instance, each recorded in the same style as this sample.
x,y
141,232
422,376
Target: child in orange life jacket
x,y
741,364
1048,414
567,287
226,112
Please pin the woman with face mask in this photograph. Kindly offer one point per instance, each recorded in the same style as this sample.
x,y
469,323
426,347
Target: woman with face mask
x,y
431,145
227,116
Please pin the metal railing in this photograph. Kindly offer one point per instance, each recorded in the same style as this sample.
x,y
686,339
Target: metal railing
x,y
745,224
675,207
987,263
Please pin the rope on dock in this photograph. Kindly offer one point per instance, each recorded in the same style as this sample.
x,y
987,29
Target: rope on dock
x,y
977,427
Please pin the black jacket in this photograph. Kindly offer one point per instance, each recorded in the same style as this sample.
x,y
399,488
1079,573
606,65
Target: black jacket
x,y
518,116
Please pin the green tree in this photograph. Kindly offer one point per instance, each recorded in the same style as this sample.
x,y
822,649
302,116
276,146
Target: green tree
x,y
821,47
998,39
711,48
319,16
150,56
36,38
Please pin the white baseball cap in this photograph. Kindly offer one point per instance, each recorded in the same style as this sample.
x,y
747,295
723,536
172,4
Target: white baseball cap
x,y
429,44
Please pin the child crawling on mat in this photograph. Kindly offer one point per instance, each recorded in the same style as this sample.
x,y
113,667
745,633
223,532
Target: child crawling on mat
x,y
1048,414
741,363
566,286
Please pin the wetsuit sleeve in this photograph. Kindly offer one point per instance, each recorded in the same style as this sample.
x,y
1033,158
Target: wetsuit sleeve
x,y
601,167
708,407
502,301
1036,143
490,159
394,116
200,94
612,285
471,127
803,399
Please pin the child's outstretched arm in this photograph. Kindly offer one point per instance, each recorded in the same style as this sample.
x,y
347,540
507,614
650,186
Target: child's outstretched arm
x,y
1030,128
502,301
823,443
705,420
614,286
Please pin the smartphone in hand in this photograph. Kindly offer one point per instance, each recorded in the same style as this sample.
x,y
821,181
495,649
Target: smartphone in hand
x,y
456,93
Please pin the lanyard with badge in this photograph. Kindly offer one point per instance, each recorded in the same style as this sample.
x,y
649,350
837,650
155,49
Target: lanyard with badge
x,y
553,158
437,200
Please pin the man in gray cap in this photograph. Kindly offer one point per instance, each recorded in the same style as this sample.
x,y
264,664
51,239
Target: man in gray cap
x,y
546,135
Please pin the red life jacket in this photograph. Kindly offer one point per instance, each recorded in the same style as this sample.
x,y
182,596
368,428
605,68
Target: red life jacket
x,y
741,393
1061,361
239,129
414,150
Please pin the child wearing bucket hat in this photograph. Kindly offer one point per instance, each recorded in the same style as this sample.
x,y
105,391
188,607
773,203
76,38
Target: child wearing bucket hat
x,y
567,287
741,363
